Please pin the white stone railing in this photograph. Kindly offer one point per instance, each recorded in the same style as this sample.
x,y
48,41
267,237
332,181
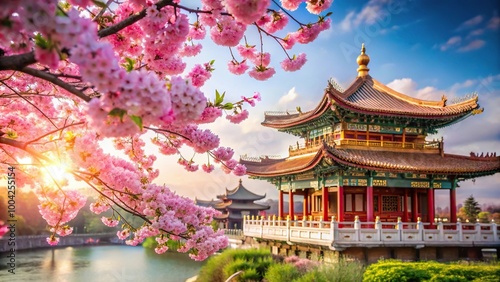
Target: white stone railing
x,y
340,235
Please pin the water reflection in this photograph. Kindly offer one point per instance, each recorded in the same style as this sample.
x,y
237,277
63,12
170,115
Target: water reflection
x,y
101,263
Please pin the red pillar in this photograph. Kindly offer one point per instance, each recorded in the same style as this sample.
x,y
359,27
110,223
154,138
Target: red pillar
x,y
306,203
405,207
280,204
453,205
324,199
369,203
290,204
414,206
430,205
340,204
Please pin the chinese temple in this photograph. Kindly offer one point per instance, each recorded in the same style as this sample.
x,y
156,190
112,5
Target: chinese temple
x,y
235,204
365,154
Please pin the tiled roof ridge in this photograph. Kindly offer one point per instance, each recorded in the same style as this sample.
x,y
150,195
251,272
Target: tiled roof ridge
x,y
475,156
262,159
441,108
322,106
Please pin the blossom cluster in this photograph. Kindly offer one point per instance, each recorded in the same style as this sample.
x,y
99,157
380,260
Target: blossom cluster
x,y
84,73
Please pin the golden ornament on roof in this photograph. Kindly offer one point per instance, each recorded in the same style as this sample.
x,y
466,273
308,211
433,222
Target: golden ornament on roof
x,y
363,60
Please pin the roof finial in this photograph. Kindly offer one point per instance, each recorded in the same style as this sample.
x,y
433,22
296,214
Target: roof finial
x,y
240,181
363,61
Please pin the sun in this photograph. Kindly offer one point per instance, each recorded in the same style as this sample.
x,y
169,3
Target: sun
x,y
56,172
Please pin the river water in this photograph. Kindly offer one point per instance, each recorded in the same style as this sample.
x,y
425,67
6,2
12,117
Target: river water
x,y
99,263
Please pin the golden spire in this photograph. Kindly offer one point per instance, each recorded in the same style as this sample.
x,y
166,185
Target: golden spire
x,y
363,61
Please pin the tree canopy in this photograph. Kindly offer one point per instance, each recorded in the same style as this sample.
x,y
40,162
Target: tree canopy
x,y
74,74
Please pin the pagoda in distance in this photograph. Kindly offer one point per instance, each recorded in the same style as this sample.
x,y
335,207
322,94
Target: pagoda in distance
x,y
365,155
234,205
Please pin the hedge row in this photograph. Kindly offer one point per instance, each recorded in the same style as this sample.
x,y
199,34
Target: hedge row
x,y
398,271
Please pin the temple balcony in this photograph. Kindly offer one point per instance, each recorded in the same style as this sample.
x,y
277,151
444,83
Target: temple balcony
x,y
341,235
434,146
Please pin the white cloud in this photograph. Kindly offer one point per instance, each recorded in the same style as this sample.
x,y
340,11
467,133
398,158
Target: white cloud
x,y
475,32
473,45
494,22
346,24
470,23
453,41
286,99
372,12
409,87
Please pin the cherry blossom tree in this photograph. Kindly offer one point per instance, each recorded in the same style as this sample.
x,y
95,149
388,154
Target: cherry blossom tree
x,y
74,74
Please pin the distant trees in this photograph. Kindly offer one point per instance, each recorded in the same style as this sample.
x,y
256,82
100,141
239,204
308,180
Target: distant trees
x,y
470,210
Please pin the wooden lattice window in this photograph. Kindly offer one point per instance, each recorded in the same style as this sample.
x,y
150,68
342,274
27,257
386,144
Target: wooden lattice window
x,y
389,203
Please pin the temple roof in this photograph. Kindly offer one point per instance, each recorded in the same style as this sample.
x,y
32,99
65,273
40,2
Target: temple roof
x,y
246,206
376,160
370,97
204,203
240,193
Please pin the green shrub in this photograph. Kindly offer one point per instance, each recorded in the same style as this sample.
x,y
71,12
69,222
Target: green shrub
x,y
394,270
254,263
250,275
448,278
343,271
282,273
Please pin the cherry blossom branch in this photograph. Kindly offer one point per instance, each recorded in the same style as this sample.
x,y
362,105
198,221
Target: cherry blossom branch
x,y
17,62
29,102
55,80
288,14
131,211
54,131
276,38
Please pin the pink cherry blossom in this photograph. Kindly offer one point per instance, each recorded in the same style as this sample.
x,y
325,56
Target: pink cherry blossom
x,y
237,67
109,221
238,117
262,73
246,11
239,170
291,5
295,63
318,6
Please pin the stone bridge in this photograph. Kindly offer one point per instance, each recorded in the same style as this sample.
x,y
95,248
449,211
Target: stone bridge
x,y
40,241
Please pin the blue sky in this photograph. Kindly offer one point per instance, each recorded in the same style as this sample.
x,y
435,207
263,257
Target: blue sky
x,y
424,49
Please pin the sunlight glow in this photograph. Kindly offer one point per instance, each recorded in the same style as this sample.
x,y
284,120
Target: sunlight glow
x,y
56,172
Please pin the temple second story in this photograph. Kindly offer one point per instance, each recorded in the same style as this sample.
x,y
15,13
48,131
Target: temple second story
x,y
370,114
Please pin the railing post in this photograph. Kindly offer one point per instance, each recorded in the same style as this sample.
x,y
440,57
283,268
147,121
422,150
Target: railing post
x,y
321,221
295,219
420,228
440,227
357,226
261,226
378,227
288,229
310,221
399,227
304,221
477,237
333,229
495,231
244,223
274,220
459,230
